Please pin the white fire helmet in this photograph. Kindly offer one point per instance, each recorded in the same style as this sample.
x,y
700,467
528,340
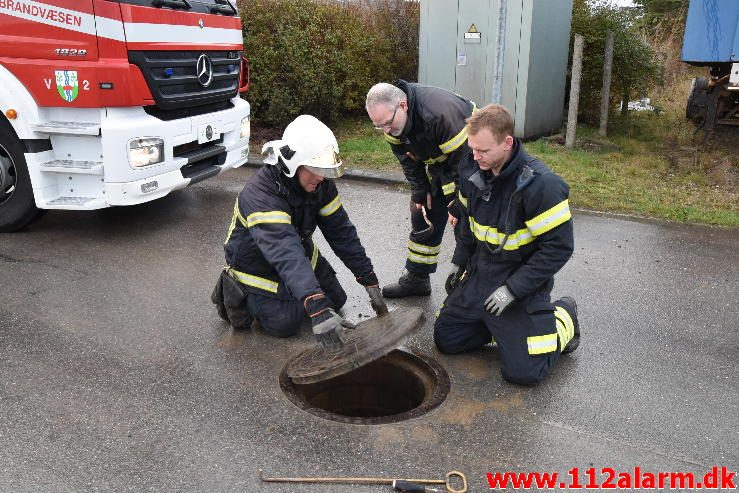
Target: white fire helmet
x,y
305,142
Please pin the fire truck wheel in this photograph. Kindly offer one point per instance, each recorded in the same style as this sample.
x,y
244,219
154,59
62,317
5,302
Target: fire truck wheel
x,y
17,206
697,107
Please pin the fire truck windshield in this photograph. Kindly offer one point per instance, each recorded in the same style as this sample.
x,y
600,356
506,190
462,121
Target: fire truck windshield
x,y
222,7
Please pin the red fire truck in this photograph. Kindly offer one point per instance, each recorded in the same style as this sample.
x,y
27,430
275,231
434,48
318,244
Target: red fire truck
x,y
116,102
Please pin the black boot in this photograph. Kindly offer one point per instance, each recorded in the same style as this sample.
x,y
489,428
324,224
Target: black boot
x,y
409,284
569,304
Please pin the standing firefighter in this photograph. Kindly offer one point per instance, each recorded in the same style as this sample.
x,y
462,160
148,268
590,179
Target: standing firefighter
x,y
269,248
425,127
515,234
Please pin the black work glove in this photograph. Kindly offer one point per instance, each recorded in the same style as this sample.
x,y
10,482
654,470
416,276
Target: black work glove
x,y
368,280
326,323
421,228
454,209
372,285
499,300
376,300
454,277
419,196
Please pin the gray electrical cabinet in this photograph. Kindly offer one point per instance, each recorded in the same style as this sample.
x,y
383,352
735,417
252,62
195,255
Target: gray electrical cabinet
x,y
512,52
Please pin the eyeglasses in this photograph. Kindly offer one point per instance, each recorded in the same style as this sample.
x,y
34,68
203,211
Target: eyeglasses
x,y
389,123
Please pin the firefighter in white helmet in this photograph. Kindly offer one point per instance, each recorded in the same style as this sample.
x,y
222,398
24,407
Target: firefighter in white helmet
x,y
275,273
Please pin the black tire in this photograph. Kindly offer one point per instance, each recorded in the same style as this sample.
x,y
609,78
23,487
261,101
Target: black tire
x,y
17,205
697,99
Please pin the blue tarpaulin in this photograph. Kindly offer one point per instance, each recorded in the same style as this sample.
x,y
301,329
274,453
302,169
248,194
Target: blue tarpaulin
x,y
712,32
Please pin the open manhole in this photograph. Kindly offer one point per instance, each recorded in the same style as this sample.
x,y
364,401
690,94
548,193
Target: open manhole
x,y
398,386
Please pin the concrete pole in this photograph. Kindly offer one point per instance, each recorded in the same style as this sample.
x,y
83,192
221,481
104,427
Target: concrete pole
x,y
574,91
606,92
625,103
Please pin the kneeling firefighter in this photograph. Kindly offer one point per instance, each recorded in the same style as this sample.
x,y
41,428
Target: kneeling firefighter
x,y
275,273
516,233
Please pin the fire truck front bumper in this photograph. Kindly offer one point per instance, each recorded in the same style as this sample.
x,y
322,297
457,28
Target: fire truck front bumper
x,y
183,151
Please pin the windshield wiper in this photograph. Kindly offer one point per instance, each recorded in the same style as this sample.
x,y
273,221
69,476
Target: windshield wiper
x,y
218,9
175,4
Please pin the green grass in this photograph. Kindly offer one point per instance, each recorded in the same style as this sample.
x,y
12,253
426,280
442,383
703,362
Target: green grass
x,y
638,179
364,147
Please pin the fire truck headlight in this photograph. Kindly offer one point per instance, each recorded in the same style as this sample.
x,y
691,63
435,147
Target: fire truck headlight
x,y
145,152
245,128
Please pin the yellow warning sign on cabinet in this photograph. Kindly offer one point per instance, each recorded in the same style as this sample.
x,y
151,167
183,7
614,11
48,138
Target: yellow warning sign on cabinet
x,y
472,35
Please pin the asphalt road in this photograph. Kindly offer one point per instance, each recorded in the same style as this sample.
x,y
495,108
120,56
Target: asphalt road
x,y
116,374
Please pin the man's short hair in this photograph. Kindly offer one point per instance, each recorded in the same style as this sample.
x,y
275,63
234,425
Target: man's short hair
x,y
495,118
384,93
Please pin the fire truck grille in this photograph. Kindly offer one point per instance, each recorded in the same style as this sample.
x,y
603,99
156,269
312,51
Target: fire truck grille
x,y
184,79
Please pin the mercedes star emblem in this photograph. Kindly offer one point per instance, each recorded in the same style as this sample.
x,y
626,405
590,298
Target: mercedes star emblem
x,y
204,70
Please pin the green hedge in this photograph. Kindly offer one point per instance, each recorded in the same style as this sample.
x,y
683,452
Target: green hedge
x,y
321,57
635,68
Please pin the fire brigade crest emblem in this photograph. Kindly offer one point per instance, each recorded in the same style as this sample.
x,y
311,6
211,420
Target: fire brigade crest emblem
x,y
66,84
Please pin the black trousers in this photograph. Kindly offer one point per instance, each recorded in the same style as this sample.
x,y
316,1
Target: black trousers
x,y
530,333
423,257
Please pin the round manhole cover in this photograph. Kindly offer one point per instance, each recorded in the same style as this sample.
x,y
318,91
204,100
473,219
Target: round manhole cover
x,y
371,339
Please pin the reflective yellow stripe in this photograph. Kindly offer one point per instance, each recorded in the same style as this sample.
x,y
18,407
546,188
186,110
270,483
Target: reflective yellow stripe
x,y
279,217
550,219
462,199
494,237
449,188
266,284
331,207
565,326
518,239
542,223
255,281
423,249
237,212
542,344
392,139
561,335
236,215
484,233
314,257
422,259
566,319
453,143
439,159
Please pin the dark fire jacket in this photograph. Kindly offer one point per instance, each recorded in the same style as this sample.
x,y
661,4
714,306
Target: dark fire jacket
x,y
434,139
269,246
525,209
